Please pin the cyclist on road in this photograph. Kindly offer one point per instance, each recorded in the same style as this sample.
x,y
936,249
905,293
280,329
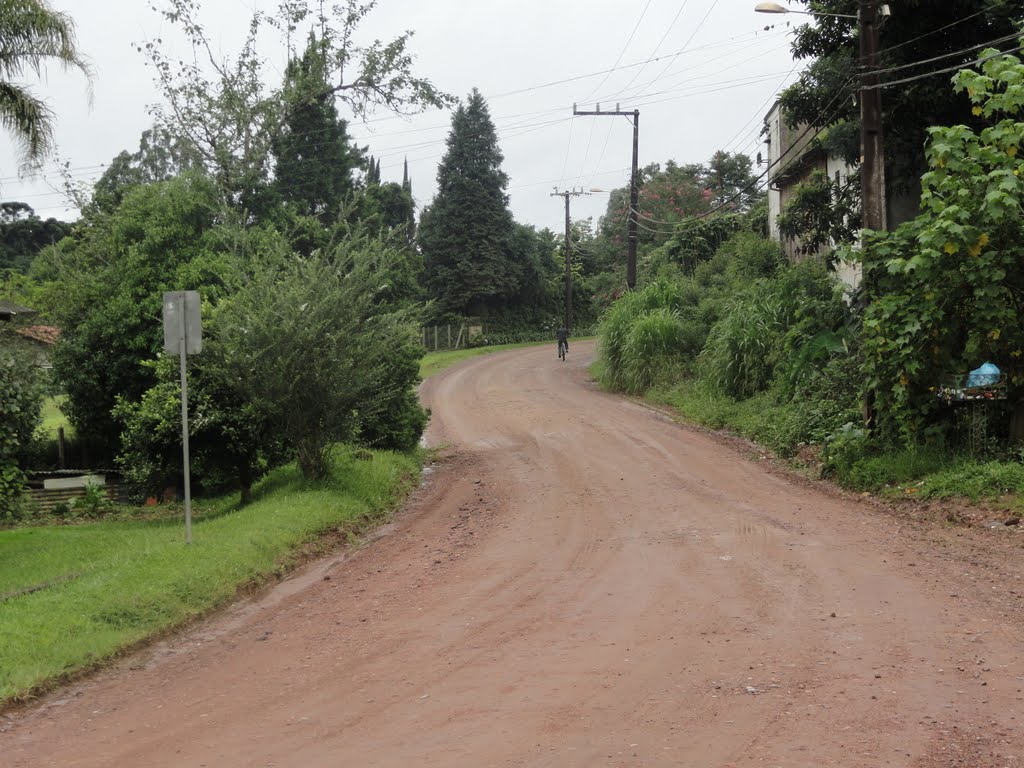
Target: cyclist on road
x,y
563,341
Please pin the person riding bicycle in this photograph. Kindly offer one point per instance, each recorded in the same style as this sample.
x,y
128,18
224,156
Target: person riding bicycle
x,y
563,340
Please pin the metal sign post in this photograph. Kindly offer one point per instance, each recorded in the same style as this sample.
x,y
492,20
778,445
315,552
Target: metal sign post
x,y
183,334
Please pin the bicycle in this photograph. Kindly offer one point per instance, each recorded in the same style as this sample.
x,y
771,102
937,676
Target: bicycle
x,y
563,348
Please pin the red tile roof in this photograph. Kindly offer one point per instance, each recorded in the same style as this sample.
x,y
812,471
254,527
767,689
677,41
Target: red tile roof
x,y
44,334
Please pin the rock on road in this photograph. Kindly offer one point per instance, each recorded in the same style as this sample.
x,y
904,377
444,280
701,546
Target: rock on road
x,y
583,583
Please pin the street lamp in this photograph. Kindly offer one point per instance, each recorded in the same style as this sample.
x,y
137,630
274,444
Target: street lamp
x,y
776,8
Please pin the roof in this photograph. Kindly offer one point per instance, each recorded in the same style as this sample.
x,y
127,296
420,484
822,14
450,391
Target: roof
x,y
44,334
9,308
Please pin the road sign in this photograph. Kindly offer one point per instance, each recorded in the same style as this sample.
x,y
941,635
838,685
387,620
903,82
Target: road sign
x,y
175,304
183,336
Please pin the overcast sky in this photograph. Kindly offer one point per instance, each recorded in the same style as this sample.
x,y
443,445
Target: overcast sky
x,y
717,71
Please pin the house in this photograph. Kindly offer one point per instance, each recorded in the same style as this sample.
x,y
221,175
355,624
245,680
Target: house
x,y
11,312
793,156
35,338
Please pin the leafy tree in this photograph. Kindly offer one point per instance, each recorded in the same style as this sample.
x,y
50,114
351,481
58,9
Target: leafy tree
x,y
23,235
825,94
32,35
161,156
21,396
465,234
105,293
947,287
307,340
314,159
222,108
822,212
230,442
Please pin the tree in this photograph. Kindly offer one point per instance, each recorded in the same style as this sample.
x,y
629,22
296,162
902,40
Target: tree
x,y
307,339
21,397
465,234
23,235
106,289
32,34
161,156
314,159
222,108
822,212
947,287
825,93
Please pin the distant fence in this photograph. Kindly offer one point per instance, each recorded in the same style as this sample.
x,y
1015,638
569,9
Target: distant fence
x,y
451,336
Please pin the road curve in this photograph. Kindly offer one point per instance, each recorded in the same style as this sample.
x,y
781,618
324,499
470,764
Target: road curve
x,y
583,583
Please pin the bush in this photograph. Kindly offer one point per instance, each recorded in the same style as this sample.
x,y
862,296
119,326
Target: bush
x,y
742,348
21,399
628,359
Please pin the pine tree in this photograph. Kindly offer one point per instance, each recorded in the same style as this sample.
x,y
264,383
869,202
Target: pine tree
x,y
466,233
314,158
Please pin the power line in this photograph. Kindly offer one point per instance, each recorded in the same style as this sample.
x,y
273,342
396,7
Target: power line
x,y
954,68
657,47
623,51
1015,36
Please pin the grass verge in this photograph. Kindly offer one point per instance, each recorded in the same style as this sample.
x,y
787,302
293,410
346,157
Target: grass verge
x,y
53,417
922,473
435,362
74,597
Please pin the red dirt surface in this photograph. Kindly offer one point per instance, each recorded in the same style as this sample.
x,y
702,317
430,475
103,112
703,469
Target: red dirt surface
x,y
585,583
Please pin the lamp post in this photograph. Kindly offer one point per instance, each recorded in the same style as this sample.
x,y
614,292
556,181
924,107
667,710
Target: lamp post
x,y
870,13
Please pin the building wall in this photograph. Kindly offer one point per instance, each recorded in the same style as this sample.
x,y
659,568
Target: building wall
x,y
791,161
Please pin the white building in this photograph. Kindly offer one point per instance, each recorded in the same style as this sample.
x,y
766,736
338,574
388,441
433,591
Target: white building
x,y
793,156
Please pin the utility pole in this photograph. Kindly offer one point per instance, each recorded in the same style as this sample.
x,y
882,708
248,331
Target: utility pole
x,y
567,195
634,186
873,163
872,167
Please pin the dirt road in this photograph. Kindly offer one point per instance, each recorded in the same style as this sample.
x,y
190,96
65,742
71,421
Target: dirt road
x,y
585,584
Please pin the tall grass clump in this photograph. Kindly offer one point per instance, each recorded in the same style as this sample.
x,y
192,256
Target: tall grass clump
x,y
643,338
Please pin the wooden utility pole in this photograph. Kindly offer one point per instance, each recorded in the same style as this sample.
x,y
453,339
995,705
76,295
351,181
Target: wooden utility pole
x,y
872,168
567,195
634,187
873,162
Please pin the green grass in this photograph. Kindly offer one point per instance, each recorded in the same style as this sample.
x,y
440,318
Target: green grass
x,y
435,362
52,417
924,473
73,596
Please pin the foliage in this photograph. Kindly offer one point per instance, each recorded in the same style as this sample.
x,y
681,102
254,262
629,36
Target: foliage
x,y
222,109
931,29
23,235
161,156
32,35
695,240
678,194
229,440
466,233
307,341
21,398
314,159
822,213
946,289
765,326
643,337
106,293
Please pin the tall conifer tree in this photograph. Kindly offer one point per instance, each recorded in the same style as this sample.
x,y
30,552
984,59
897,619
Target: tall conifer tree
x,y
466,233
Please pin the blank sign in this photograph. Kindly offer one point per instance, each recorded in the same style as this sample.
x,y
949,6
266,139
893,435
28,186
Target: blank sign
x,y
176,303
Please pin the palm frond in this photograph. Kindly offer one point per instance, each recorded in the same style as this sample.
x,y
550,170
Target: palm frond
x,y
29,119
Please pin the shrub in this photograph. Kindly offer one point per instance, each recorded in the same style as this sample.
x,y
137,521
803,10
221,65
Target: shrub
x,y
21,398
